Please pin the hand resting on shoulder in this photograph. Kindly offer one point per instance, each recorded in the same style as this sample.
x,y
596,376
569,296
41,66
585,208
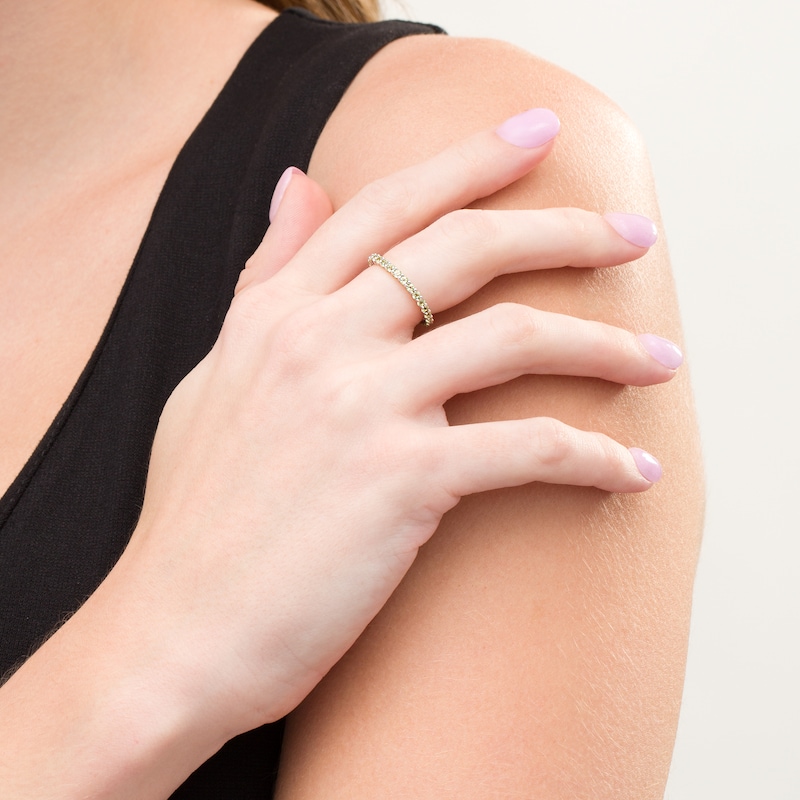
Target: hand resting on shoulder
x,y
298,469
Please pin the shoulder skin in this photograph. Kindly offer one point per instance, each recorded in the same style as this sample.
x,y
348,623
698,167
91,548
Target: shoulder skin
x,y
537,647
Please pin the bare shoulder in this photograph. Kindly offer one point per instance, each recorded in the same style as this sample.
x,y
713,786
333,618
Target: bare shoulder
x,y
421,93
537,646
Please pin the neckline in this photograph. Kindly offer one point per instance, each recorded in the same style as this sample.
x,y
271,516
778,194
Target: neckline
x,y
19,484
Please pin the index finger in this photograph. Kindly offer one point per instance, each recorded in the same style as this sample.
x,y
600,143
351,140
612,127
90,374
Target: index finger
x,y
394,207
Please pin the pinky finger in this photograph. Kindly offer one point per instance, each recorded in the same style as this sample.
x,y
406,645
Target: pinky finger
x,y
495,455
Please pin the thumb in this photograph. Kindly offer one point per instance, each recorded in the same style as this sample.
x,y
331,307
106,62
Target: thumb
x,y
299,206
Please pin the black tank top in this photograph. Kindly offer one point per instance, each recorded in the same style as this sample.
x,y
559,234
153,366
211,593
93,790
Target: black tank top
x,y
69,513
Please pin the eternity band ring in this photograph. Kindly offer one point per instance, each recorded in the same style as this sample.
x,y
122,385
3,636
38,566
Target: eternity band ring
x,y
376,260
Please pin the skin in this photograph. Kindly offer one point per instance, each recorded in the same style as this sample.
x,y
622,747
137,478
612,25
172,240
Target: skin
x,y
536,649
83,165
563,612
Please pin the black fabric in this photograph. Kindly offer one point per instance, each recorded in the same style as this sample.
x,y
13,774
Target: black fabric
x,y
68,515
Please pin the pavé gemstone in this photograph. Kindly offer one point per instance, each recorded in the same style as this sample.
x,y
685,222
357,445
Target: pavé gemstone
x,y
378,260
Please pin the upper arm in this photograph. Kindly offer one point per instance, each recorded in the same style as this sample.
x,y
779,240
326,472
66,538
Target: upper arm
x,y
536,648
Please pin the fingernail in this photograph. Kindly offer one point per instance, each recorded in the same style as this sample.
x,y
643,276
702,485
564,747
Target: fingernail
x,y
634,228
662,350
530,129
646,464
280,190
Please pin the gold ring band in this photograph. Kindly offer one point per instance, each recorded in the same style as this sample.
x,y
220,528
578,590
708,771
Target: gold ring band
x,y
376,260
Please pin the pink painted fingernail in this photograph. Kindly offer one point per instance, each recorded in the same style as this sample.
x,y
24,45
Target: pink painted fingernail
x,y
280,190
634,228
530,129
662,350
646,464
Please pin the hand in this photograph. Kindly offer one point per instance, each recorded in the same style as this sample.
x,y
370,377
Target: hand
x,y
297,470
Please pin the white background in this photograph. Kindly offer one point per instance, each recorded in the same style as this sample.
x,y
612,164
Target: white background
x,y
715,88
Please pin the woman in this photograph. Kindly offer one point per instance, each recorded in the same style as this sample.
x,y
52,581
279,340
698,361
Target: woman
x,y
536,647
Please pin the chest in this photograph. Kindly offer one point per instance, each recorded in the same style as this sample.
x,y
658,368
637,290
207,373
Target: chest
x,y
62,266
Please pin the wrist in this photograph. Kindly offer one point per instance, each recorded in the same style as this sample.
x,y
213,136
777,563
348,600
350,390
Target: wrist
x,y
105,708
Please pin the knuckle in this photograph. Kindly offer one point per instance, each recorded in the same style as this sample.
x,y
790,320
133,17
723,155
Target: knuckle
x,y
298,342
617,355
246,311
553,441
289,337
611,457
470,158
387,199
615,350
254,307
515,325
611,451
347,394
587,236
469,226
577,229
577,220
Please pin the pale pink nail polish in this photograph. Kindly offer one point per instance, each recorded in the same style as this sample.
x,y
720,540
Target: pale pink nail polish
x,y
646,464
530,129
662,350
280,189
634,228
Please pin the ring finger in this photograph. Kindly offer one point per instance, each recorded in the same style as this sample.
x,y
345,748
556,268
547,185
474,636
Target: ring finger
x,y
458,254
